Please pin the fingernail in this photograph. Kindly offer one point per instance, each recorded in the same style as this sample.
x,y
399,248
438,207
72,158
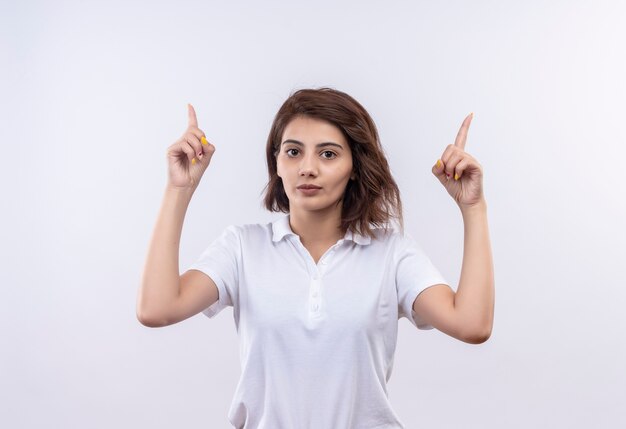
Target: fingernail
x,y
203,140
456,177
193,161
438,163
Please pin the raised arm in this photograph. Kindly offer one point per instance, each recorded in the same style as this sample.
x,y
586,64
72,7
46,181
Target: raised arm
x,y
164,296
467,314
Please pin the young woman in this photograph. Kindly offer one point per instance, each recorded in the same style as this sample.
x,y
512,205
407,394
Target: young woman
x,y
317,294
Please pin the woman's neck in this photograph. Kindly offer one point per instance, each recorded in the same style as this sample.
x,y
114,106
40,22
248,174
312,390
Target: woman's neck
x,y
316,227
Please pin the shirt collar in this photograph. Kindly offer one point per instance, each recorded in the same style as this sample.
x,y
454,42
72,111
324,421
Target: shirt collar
x,y
281,228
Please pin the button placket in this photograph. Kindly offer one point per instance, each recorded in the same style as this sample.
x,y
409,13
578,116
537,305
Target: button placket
x,y
314,295
317,272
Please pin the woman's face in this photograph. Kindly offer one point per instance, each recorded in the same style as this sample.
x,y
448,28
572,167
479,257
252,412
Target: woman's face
x,y
314,152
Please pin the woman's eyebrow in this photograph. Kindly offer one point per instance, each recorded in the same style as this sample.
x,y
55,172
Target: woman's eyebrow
x,y
299,143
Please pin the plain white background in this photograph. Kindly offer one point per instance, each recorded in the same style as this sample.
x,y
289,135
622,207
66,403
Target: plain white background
x,y
92,94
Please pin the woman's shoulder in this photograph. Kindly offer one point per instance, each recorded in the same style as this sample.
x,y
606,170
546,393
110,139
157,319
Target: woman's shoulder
x,y
393,237
387,233
251,232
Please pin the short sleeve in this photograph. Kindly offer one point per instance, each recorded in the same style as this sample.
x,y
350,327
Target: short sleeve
x,y
220,261
414,273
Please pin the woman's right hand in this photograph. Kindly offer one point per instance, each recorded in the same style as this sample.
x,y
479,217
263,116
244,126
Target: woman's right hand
x,y
189,156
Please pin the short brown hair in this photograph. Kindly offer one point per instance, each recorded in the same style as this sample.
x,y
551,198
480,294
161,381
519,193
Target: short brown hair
x,y
373,198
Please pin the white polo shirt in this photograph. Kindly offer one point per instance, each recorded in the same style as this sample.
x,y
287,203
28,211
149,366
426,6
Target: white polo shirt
x,y
316,341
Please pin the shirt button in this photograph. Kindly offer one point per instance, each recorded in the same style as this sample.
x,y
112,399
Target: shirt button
x,y
314,294
314,307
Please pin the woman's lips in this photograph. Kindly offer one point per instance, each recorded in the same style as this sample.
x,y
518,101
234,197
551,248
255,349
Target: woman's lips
x,y
309,191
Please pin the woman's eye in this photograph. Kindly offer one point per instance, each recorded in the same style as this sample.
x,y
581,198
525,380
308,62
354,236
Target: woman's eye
x,y
327,154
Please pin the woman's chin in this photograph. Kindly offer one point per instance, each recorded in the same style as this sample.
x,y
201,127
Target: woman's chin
x,y
312,206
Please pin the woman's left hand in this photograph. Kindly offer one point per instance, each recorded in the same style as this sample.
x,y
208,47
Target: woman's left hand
x,y
459,172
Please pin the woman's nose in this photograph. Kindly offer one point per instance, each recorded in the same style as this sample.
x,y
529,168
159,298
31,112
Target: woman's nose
x,y
308,167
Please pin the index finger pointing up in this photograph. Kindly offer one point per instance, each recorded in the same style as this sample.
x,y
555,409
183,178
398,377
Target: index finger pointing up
x,y
193,121
461,137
